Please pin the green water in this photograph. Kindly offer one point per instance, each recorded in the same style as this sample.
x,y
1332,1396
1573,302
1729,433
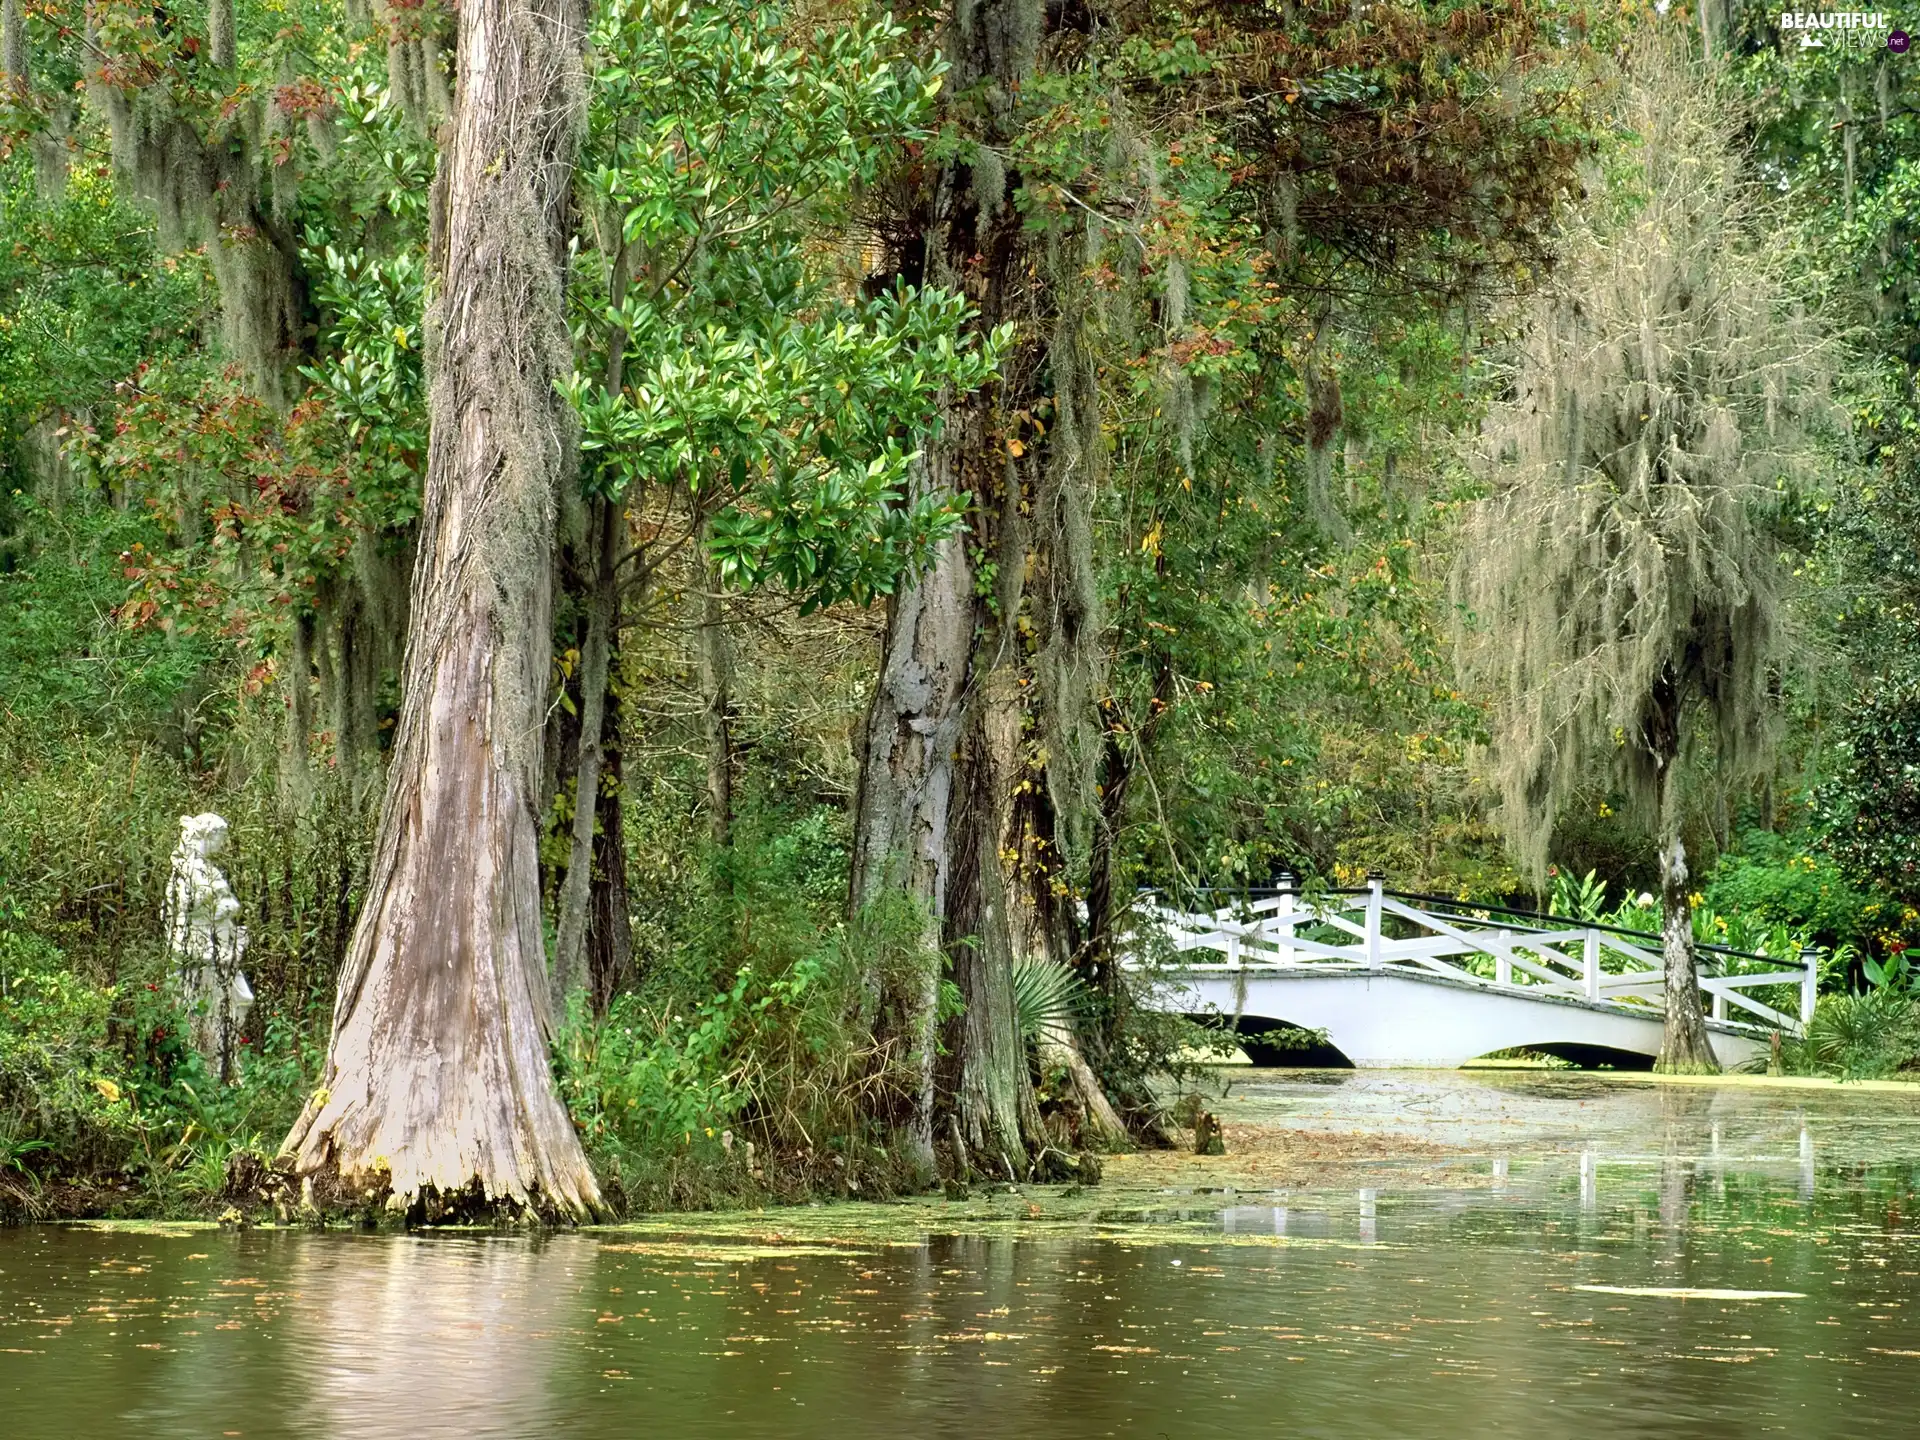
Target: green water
x,y
1435,1300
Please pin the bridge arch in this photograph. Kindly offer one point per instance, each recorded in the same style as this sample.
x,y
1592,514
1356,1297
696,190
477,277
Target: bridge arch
x,y
1399,1018
1250,1032
1593,1057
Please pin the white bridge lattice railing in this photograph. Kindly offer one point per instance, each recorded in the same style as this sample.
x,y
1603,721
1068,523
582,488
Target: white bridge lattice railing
x,y
1376,929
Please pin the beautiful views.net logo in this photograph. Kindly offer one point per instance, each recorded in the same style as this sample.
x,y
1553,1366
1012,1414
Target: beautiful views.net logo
x,y
1849,29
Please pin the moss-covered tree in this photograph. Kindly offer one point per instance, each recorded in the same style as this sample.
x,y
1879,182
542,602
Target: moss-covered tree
x,y
1624,576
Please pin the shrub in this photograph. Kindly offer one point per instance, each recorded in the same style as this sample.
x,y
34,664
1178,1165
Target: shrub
x,y
1862,1036
1771,882
764,1083
1870,810
60,1100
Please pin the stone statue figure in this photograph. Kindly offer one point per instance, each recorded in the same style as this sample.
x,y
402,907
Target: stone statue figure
x,y
206,944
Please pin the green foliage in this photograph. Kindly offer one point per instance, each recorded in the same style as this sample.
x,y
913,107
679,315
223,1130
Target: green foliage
x,y
62,1102
644,1079
1047,996
1864,1036
729,363
67,657
746,1026
97,1084
1870,808
84,301
1292,1037
1770,880
1770,902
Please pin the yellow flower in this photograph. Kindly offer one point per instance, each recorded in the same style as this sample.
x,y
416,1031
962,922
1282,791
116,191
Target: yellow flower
x,y
108,1090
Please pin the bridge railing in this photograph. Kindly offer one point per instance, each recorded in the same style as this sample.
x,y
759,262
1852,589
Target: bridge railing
x,y
1379,929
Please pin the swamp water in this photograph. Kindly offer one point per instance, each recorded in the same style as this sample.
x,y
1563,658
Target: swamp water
x,y
1420,1255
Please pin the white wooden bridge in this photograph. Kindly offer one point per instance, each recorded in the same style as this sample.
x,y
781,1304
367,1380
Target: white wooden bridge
x,y
1405,980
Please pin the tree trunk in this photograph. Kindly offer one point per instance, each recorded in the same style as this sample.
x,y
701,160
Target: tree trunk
x,y
1100,960
609,916
1848,147
944,735
437,1084
984,1073
1100,1124
1044,924
1684,1047
605,532
295,675
902,809
716,693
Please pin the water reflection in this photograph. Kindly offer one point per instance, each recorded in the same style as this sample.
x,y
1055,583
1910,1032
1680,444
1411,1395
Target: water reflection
x,y
494,1317
1441,1310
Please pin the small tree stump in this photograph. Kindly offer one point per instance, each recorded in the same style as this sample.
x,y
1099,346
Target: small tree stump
x,y
1207,1139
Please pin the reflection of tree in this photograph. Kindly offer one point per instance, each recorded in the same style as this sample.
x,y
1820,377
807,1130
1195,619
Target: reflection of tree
x,y
464,1332
1686,1114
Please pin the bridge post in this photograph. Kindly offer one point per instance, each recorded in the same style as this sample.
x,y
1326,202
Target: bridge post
x,y
1809,984
1592,963
1286,908
1503,960
1375,881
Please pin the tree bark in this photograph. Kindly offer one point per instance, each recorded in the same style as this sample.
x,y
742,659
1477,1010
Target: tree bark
x,y
716,693
1684,1046
1100,1124
1099,960
296,680
984,1073
944,733
609,916
437,1084
902,808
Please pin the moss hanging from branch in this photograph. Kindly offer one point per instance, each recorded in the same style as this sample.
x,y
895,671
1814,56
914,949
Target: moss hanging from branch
x,y
416,62
1665,388
223,45
1625,574
204,186
13,44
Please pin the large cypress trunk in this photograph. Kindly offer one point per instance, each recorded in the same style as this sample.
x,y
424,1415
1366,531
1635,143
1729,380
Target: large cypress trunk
x,y
943,732
985,1077
902,828
437,1081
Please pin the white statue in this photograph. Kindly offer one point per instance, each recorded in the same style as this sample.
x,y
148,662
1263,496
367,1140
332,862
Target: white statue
x,y
205,943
